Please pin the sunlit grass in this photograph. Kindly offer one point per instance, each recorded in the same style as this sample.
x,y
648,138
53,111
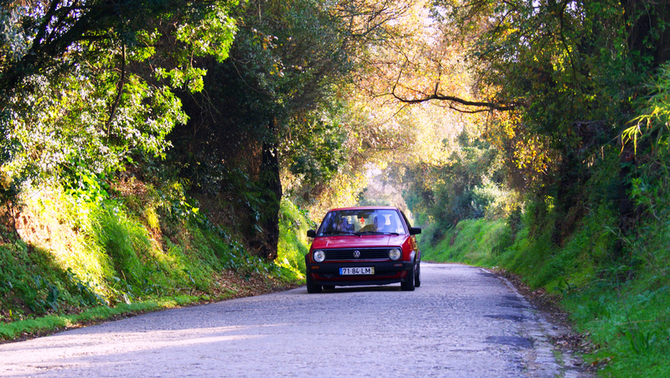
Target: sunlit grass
x,y
76,250
52,323
53,223
621,301
293,243
471,242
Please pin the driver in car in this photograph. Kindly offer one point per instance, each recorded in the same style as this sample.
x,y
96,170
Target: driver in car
x,y
343,225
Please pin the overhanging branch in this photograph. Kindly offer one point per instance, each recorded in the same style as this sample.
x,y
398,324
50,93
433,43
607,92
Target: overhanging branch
x,y
456,100
483,106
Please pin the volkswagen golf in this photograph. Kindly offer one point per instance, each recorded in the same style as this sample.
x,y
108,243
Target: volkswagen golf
x,y
373,245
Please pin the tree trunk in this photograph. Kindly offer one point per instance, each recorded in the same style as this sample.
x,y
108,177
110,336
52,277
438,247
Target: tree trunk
x,y
266,242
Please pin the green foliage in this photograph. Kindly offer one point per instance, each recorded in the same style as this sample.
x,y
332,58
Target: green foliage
x,y
560,63
468,187
82,98
653,123
321,151
470,242
650,136
101,251
293,243
572,73
620,299
632,320
31,282
122,240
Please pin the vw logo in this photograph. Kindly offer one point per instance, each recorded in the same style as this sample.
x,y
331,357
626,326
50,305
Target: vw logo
x,y
357,254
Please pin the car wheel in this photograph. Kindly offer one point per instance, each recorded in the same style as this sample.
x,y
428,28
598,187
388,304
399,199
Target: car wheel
x,y
408,284
417,277
311,287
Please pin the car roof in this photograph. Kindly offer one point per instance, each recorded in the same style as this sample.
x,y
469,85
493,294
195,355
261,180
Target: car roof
x,y
365,208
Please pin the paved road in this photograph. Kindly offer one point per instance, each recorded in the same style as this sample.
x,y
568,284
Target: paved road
x,y
462,322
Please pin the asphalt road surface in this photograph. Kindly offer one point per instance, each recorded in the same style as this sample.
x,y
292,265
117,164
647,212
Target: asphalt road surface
x,y
462,322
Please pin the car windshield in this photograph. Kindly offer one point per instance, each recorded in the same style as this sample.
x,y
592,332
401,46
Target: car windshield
x,y
358,222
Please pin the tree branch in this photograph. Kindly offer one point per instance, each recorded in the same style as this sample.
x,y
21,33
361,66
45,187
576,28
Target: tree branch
x,y
488,106
119,87
439,97
452,100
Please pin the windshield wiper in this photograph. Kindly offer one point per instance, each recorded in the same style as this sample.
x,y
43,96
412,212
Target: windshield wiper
x,y
339,233
376,233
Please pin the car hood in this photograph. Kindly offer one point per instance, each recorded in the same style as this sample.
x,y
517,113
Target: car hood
x,y
353,241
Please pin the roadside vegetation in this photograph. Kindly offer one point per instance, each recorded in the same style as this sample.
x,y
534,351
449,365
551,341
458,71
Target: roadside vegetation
x,y
603,255
620,303
559,172
87,255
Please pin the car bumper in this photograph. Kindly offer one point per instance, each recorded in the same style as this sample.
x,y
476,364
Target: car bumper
x,y
387,272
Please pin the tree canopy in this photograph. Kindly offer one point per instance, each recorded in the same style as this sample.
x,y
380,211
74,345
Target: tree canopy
x,y
254,101
84,84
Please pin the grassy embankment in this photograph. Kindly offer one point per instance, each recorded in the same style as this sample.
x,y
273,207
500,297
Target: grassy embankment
x,y
622,300
78,257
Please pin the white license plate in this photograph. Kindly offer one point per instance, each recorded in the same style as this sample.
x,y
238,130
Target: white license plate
x,y
356,271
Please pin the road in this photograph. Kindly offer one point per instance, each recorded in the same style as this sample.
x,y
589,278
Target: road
x,y
462,322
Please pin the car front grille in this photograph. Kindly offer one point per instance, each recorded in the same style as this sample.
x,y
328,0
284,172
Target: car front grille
x,y
365,253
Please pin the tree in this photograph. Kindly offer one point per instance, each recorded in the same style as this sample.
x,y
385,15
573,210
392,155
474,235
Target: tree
x,y
84,84
276,104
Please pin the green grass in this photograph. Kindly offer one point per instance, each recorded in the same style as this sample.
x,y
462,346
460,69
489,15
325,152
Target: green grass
x,y
293,243
51,323
630,321
621,298
80,257
470,242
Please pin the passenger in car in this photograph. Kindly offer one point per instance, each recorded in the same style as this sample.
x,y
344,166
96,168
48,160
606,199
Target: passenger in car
x,y
344,225
375,226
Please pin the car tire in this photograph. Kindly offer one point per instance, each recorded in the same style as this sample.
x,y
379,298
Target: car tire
x,y
417,277
311,287
408,284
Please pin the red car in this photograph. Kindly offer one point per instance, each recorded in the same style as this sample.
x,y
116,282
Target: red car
x,y
372,245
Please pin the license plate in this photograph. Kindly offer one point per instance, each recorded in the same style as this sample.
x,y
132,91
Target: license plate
x,y
356,271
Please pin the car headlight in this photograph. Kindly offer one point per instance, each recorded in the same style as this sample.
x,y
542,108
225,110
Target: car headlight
x,y
395,254
319,256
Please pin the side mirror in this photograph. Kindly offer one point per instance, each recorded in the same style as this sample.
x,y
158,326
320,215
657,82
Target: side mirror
x,y
414,230
311,233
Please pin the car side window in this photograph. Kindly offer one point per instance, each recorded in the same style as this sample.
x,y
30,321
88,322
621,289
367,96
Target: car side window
x,y
391,223
327,225
406,221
